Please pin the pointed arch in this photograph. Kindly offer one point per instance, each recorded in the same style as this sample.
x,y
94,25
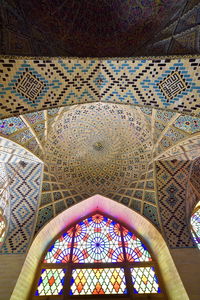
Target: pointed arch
x,y
133,220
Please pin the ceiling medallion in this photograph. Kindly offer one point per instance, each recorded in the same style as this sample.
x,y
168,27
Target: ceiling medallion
x,y
98,146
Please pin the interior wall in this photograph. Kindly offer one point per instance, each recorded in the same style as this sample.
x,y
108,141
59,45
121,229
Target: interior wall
x,y
10,267
187,261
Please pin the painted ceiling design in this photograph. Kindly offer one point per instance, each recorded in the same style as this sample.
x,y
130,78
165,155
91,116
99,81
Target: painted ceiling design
x,y
37,84
99,28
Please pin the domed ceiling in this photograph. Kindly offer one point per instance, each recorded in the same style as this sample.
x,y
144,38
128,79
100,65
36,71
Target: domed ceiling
x,y
98,28
97,146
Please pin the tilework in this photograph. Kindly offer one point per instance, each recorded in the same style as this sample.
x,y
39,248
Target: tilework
x,y
188,149
117,28
181,35
72,150
9,126
172,177
172,85
151,213
77,81
24,193
44,215
195,175
192,199
188,124
29,86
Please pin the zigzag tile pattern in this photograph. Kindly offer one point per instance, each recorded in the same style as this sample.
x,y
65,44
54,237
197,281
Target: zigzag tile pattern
x,y
75,81
24,194
172,177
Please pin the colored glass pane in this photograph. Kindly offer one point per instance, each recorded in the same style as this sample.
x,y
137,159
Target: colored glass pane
x,y
145,280
98,281
195,222
59,252
51,282
2,228
135,250
97,239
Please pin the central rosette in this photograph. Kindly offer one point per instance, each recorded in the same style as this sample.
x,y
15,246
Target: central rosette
x,y
98,246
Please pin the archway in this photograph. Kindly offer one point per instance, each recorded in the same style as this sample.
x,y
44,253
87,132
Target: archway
x,y
136,222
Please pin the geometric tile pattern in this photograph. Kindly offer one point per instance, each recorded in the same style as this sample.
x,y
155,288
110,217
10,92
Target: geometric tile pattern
x,y
72,150
75,81
172,85
172,177
29,86
138,193
111,29
195,175
24,195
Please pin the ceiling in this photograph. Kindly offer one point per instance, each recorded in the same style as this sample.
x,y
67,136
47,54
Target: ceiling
x,y
114,28
94,147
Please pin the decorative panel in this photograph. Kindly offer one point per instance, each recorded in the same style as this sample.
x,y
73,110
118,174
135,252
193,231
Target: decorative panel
x,y
97,239
158,83
51,282
60,251
134,248
98,281
145,280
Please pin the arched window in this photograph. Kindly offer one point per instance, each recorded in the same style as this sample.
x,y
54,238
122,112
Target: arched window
x,y
97,256
195,224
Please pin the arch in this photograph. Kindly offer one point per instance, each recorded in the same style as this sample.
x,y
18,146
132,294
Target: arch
x,y
195,224
151,236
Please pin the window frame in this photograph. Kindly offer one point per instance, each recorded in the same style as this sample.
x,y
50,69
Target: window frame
x,y
69,266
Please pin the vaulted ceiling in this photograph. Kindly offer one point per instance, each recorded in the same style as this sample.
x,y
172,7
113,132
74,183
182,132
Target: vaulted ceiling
x,y
99,28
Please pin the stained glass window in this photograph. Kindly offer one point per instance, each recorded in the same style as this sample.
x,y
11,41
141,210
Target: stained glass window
x,y
99,254
97,239
195,223
145,280
59,252
51,282
2,227
134,248
98,281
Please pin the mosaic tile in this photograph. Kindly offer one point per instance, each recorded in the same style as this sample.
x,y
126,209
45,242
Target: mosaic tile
x,y
69,202
172,179
29,86
138,194
136,205
188,123
173,85
46,186
150,212
11,125
150,197
60,206
76,81
57,196
24,189
150,185
22,137
44,215
45,199
35,117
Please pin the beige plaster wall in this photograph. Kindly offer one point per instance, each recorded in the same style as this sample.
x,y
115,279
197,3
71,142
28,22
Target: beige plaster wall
x,y
187,261
10,267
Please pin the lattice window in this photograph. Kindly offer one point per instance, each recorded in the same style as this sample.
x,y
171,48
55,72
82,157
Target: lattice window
x,y
195,225
97,256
